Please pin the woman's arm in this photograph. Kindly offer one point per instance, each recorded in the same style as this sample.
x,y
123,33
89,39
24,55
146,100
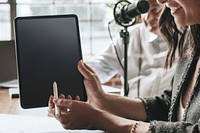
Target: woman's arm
x,y
121,106
81,115
131,108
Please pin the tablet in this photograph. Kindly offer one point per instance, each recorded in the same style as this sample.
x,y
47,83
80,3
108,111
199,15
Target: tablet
x,y
48,49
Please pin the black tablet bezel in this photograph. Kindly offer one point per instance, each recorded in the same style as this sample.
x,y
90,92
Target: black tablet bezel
x,y
25,94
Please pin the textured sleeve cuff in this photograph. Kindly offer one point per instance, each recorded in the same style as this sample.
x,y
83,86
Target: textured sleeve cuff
x,y
148,102
173,127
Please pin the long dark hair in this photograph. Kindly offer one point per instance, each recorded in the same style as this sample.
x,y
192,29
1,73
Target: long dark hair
x,y
186,39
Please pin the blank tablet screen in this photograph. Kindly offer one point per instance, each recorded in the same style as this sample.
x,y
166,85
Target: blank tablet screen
x,y
48,49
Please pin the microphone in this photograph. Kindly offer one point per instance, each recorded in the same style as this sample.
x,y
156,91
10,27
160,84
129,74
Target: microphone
x,y
124,11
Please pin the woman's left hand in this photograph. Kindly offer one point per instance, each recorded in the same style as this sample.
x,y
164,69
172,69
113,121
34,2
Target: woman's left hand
x,y
74,114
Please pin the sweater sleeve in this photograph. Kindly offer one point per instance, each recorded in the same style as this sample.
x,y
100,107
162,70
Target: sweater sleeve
x,y
173,127
157,108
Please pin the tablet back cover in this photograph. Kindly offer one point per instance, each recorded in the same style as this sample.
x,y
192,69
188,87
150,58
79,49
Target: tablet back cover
x,y
48,49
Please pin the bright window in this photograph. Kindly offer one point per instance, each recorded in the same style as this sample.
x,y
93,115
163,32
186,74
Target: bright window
x,y
5,25
2,1
93,18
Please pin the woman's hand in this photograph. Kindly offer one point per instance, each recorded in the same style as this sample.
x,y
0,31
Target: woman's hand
x,y
93,87
51,104
92,84
75,114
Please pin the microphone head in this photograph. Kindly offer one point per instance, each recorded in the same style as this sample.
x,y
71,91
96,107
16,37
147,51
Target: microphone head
x,y
143,6
137,8
125,12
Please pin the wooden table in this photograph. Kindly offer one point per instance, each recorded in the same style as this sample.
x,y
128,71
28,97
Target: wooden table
x,y
10,105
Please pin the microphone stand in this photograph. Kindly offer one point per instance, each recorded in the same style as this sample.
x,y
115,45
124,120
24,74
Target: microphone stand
x,y
124,34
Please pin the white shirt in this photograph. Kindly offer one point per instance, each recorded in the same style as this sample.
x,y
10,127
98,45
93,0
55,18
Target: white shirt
x,y
153,76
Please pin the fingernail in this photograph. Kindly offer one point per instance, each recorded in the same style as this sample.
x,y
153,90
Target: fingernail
x,y
69,97
77,98
62,96
82,63
55,100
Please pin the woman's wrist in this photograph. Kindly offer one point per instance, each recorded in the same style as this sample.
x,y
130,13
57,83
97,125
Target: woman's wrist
x,y
139,127
111,123
134,127
102,102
